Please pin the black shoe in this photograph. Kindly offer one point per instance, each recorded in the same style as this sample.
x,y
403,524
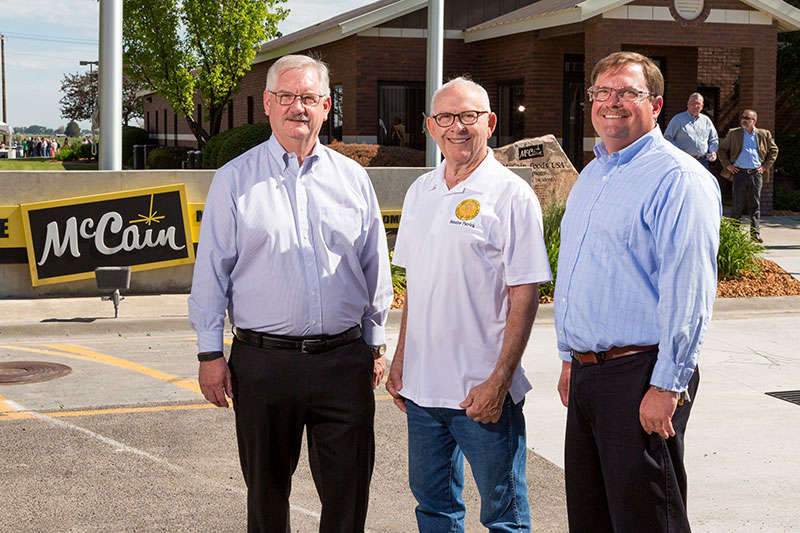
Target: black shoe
x,y
756,237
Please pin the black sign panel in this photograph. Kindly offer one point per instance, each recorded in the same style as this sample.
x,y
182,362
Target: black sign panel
x,y
529,152
146,228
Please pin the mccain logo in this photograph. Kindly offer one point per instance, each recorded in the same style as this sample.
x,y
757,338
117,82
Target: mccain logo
x,y
146,228
529,152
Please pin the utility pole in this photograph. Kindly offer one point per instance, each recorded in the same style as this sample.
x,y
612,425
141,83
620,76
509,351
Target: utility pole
x,y
3,68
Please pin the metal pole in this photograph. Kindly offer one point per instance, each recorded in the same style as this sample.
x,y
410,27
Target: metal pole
x,y
3,67
110,101
435,69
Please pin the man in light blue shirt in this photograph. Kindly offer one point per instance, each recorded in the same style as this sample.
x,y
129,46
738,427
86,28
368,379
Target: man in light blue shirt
x,y
635,289
693,132
292,245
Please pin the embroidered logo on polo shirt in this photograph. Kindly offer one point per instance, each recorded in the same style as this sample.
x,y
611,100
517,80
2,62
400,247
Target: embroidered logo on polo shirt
x,y
468,209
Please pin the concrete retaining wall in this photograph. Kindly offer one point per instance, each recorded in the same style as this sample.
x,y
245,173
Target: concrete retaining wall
x,y
19,187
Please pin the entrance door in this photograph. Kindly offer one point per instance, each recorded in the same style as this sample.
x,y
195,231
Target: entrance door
x,y
572,106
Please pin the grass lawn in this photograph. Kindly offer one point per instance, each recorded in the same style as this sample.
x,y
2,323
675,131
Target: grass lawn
x,y
44,164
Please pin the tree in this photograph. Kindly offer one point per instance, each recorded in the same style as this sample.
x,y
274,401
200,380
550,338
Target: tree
x,y
72,129
203,47
80,97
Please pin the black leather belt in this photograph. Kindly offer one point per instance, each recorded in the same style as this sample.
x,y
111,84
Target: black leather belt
x,y
310,345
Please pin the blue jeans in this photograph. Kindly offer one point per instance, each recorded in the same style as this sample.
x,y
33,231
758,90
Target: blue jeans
x,y
438,440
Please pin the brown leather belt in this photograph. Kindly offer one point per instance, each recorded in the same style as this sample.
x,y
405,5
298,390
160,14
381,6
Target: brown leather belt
x,y
596,358
308,345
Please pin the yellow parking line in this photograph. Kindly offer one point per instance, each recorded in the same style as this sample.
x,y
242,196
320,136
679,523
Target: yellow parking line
x,y
126,410
85,354
9,412
128,365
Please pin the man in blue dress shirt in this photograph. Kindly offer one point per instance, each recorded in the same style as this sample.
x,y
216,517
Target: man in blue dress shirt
x,y
292,245
747,154
635,288
693,132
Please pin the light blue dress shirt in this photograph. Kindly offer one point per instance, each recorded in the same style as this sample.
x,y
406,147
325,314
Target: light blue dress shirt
x,y
694,135
638,257
290,250
748,157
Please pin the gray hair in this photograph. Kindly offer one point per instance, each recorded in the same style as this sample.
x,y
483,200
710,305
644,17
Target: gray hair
x,y
755,115
696,96
302,62
466,81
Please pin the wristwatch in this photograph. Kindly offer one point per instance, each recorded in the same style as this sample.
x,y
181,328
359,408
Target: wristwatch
x,y
378,350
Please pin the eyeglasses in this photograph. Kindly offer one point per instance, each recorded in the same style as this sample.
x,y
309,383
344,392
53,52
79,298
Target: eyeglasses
x,y
626,94
467,118
745,117
308,100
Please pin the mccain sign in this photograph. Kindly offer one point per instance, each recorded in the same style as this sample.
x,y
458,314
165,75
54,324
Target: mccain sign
x,y
144,229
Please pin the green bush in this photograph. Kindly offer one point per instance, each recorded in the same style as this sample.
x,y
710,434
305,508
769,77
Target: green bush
x,y
738,253
785,199
552,214
84,151
68,152
241,139
167,157
211,149
130,137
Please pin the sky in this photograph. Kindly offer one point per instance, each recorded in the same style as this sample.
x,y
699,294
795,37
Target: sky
x,y
47,39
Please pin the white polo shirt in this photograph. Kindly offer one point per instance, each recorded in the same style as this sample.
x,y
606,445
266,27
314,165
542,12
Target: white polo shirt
x,y
462,248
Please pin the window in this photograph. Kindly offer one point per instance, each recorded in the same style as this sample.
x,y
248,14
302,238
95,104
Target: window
x,y
175,128
336,115
249,109
710,102
199,117
166,129
147,121
230,114
156,132
401,114
573,102
511,111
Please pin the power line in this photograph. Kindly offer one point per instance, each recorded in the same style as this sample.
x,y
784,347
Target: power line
x,y
48,38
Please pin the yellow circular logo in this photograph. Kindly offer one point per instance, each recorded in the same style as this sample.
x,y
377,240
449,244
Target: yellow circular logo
x,y
468,209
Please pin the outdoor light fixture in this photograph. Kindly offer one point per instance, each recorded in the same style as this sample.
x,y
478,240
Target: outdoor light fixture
x,y
113,279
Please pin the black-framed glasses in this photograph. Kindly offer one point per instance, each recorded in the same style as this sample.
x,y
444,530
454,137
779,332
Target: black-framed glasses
x,y
745,117
308,99
626,94
467,118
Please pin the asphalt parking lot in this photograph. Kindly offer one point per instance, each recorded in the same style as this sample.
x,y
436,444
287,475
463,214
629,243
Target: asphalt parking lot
x,y
125,442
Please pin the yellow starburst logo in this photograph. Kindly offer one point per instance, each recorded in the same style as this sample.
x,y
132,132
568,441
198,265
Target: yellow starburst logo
x,y
468,209
149,219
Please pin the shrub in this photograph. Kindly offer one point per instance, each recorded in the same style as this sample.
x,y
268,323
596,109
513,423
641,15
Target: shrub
x,y
738,253
241,139
373,155
69,152
785,199
130,137
211,149
84,151
167,157
552,214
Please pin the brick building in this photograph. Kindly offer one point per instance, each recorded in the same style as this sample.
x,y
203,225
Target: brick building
x,y
533,57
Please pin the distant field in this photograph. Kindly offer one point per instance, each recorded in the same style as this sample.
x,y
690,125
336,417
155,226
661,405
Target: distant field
x,y
44,164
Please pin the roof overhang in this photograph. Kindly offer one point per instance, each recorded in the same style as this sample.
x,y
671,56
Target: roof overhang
x,y
340,30
786,16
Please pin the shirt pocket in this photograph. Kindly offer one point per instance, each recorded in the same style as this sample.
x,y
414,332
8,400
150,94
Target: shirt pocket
x,y
340,227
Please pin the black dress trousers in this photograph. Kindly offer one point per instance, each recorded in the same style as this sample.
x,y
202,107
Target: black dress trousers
x,y
619,478
276,393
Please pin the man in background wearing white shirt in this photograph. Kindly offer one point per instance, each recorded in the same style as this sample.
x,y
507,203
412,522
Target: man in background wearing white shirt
x,y
293,246
471,241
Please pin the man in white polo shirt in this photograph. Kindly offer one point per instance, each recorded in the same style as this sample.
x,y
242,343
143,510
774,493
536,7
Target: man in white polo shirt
x,y
471,241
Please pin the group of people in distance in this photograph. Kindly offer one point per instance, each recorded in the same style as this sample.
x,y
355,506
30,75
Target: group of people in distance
x,y
293,248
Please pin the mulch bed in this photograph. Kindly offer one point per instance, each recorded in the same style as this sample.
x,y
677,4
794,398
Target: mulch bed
x,y
771,281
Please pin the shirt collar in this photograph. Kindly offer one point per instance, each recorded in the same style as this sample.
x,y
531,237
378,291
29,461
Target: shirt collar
x,y
281,156
477,181
629,152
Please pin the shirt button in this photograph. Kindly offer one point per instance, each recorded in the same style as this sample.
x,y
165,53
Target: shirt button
x,y
314,293
315,322
561,332
310,265
563,299
605,178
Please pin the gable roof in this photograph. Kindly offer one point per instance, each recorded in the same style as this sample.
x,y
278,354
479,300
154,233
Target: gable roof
x,y
338,27
551,13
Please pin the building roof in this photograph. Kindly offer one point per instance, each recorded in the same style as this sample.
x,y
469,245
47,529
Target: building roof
x,y
551,13
338,27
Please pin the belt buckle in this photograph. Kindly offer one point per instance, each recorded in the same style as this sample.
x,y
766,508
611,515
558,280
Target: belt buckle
x,y
312,346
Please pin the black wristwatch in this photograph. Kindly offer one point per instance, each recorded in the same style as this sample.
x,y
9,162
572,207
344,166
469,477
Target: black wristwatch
x,y
208,356
378,350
